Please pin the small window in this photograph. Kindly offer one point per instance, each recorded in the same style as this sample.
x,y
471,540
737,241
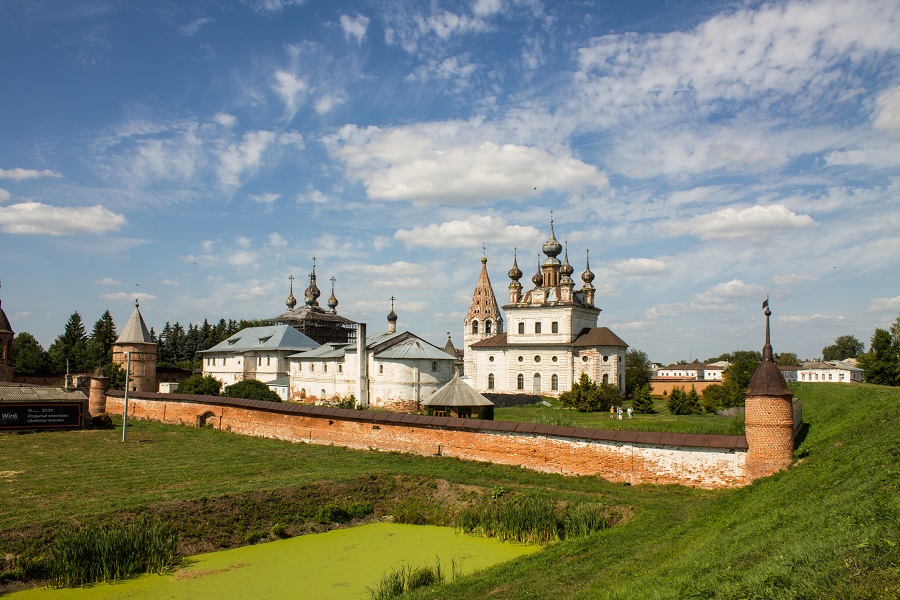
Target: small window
x,y
554,327
487,326
606,378
490,381
584,359
554,383
259,361
434,365
537,359
312,367
474,326
520,382
340,368
521,358
268,361
537,327
491,358
555,359
324,367
521,327
605,358
323,395
380,369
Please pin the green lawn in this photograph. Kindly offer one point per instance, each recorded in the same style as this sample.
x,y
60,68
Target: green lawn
x,y
661,420
829,527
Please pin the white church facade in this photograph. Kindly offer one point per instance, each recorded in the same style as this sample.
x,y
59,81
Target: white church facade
x,y
552,336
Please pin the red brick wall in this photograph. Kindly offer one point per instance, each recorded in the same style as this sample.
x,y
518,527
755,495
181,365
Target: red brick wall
x,y
708,467
770,434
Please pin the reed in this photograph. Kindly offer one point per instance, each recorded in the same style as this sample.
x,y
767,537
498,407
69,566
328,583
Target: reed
x,y
112,552
403,579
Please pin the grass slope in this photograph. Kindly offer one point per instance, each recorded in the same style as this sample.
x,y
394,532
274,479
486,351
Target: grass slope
x,y
826,528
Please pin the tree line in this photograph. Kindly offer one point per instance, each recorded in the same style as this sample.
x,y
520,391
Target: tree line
x,y
881,364
76,351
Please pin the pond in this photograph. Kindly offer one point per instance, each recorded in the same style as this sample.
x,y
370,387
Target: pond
x,y
336,564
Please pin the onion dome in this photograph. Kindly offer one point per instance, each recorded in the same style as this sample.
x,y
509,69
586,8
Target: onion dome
x,y
311,296
291,302
588,275
515,273
392,316
566,269
551,247
538,278
332,301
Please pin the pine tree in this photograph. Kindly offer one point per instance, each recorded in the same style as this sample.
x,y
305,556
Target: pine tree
x,y
103,336
641,401
69,351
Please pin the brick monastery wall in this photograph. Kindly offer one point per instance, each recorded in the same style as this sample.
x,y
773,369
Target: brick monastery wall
x,y
708,461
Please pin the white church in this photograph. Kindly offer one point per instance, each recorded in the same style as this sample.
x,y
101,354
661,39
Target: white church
x,y
552,337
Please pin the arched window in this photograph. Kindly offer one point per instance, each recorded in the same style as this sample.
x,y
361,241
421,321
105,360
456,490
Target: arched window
x,y
380,369
487,326
323,395
606,378
536,383
520,382
434,365
554,383
490,381
475,326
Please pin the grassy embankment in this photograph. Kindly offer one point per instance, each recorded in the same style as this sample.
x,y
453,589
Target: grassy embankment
x,y
827,528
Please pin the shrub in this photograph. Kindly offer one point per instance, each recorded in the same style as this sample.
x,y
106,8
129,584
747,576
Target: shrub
x,y
641,401
201,385
332,513
112,552
102,421
713,398
404,578
587,396
684,403
415,511
251,389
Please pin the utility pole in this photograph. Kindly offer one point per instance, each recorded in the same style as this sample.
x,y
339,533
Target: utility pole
x,y
127,383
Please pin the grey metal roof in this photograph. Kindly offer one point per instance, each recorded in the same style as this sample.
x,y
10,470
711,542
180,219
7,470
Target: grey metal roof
x,y
17,392
271,337
279,382
329,350
135,331
414,348
457,393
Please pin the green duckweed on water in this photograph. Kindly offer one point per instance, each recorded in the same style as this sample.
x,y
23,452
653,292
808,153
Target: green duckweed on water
x,y
337,564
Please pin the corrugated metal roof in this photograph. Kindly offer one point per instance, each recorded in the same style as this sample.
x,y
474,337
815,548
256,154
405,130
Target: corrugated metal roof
x,y
457,393
414,349
598,336
329,350
17,392
491,342
271,337
135,331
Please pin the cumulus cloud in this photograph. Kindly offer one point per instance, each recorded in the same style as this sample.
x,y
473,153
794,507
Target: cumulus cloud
x,y
355,27
469,233
129,296
276,240
455,68
887,112
720,298
267,199
327,102
417,165
108,281
486,8
225,119
885,304
640,266
731,223
41,219
20,174
807,319
4,195
243,157
292,90
408,29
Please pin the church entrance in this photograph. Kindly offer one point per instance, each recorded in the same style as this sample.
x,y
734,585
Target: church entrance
x,y
536,384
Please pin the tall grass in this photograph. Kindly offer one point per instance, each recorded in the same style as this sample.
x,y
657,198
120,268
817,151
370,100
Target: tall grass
x,y
405,578
117,551
531,519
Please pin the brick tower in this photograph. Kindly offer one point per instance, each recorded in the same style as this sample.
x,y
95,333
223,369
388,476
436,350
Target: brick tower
x,y
483,319
135,339
769,417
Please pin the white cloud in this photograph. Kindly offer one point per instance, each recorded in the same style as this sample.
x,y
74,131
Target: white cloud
x,y
292,90
273,6
327,102
486,8
731,223
355,27
22,314
887,112
129,296
4,195
807,319
455,68
225,119
243,157
37,218
267,199
171,282
20,174
640,266
794,278
885,304
471,233
276,240
419,165
408,29
314,197
108,281
189,29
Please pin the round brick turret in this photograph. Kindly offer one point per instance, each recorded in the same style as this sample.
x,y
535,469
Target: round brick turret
x,y
97,395
136,342
769,420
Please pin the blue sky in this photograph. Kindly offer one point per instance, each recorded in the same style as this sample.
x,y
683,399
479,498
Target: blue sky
x,y
196,154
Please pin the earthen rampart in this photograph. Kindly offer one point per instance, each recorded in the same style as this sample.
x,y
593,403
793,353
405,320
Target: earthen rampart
x,y
708,461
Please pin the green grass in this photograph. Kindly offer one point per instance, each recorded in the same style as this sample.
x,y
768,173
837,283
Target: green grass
x,y
662,420
829,527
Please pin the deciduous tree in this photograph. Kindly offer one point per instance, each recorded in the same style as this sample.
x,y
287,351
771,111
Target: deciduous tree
x,y
881,363
202,385
637,371
28,355
252,390
845,346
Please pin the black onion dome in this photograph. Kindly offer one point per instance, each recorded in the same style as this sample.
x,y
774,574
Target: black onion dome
x,y
566,269
538,278
588,275
515,273
392,316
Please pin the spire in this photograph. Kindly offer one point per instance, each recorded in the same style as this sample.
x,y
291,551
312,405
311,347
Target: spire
x,y
515,273
135,331
333,301
767,380
291,302
484,304
588,275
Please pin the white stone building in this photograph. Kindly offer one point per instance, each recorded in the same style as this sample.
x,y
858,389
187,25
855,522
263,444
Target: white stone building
x,y
697,371
835,371
259,353
552,335
401,370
